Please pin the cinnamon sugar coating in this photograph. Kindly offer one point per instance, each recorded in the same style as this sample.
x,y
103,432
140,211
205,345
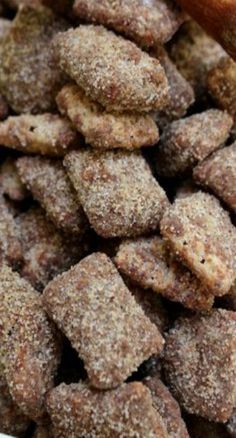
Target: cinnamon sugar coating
x,y
117,191
122,338
49,184
29,77
218,172
188,141
200,233
149,263
103,129
146,22
111,70
10,245
29,347
200,364
77,410
10,183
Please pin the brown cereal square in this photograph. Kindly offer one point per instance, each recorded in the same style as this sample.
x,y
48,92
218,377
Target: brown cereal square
x,y
117,191
200,233
200,364
77,410
103,129
122,338
149,263
188,141
50,186
10,183
111,70
10,245
30,350
44,134
218,172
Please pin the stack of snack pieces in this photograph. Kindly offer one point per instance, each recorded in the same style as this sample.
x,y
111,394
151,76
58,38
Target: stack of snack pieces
x,y
117,222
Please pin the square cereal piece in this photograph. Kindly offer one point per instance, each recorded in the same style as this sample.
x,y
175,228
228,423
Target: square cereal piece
x,y
111,70
103,129
50,186
117,190
149,263
200,233
218,173
10,183
222,85
122,338
76,410
200,364
168,408
10,245
30,347
44,134
160,18
188,141
29,76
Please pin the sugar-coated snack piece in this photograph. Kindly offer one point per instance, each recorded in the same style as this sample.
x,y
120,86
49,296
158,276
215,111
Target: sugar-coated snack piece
x,y
160,18
10,245
168,408
12,421
231,426
218,172
222,85
188,141
42,432
44,134
117,191
46,251
76,410
122,338
200,233
50,186
194,54
200,364
199,427
148,262
29,76
10,183
30,349
103,129
111,70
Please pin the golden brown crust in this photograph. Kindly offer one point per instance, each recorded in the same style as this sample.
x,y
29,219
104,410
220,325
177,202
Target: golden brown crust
x,y
117,191
44,134
146,22
111,70
222,85
49,184
76,410
29,77
218,172
167,407
200,364
10,183
29,348
122,338
10,245
102,129
149,263
188,141
200,232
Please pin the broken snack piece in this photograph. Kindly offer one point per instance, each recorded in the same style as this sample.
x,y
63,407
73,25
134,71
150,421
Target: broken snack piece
x,y
200,364
111,70
122,338
148,262
200,233
103,129
44,134
76,410
30,350
117,191
188,141
10,183
218,173
50,186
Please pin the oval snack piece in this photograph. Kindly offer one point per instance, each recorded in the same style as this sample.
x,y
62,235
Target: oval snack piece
x,y
111,70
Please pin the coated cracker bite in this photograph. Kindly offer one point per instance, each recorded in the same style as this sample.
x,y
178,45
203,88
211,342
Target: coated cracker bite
x,y
122,338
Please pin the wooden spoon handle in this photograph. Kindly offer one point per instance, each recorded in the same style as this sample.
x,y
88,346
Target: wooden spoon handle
x,y
217,17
